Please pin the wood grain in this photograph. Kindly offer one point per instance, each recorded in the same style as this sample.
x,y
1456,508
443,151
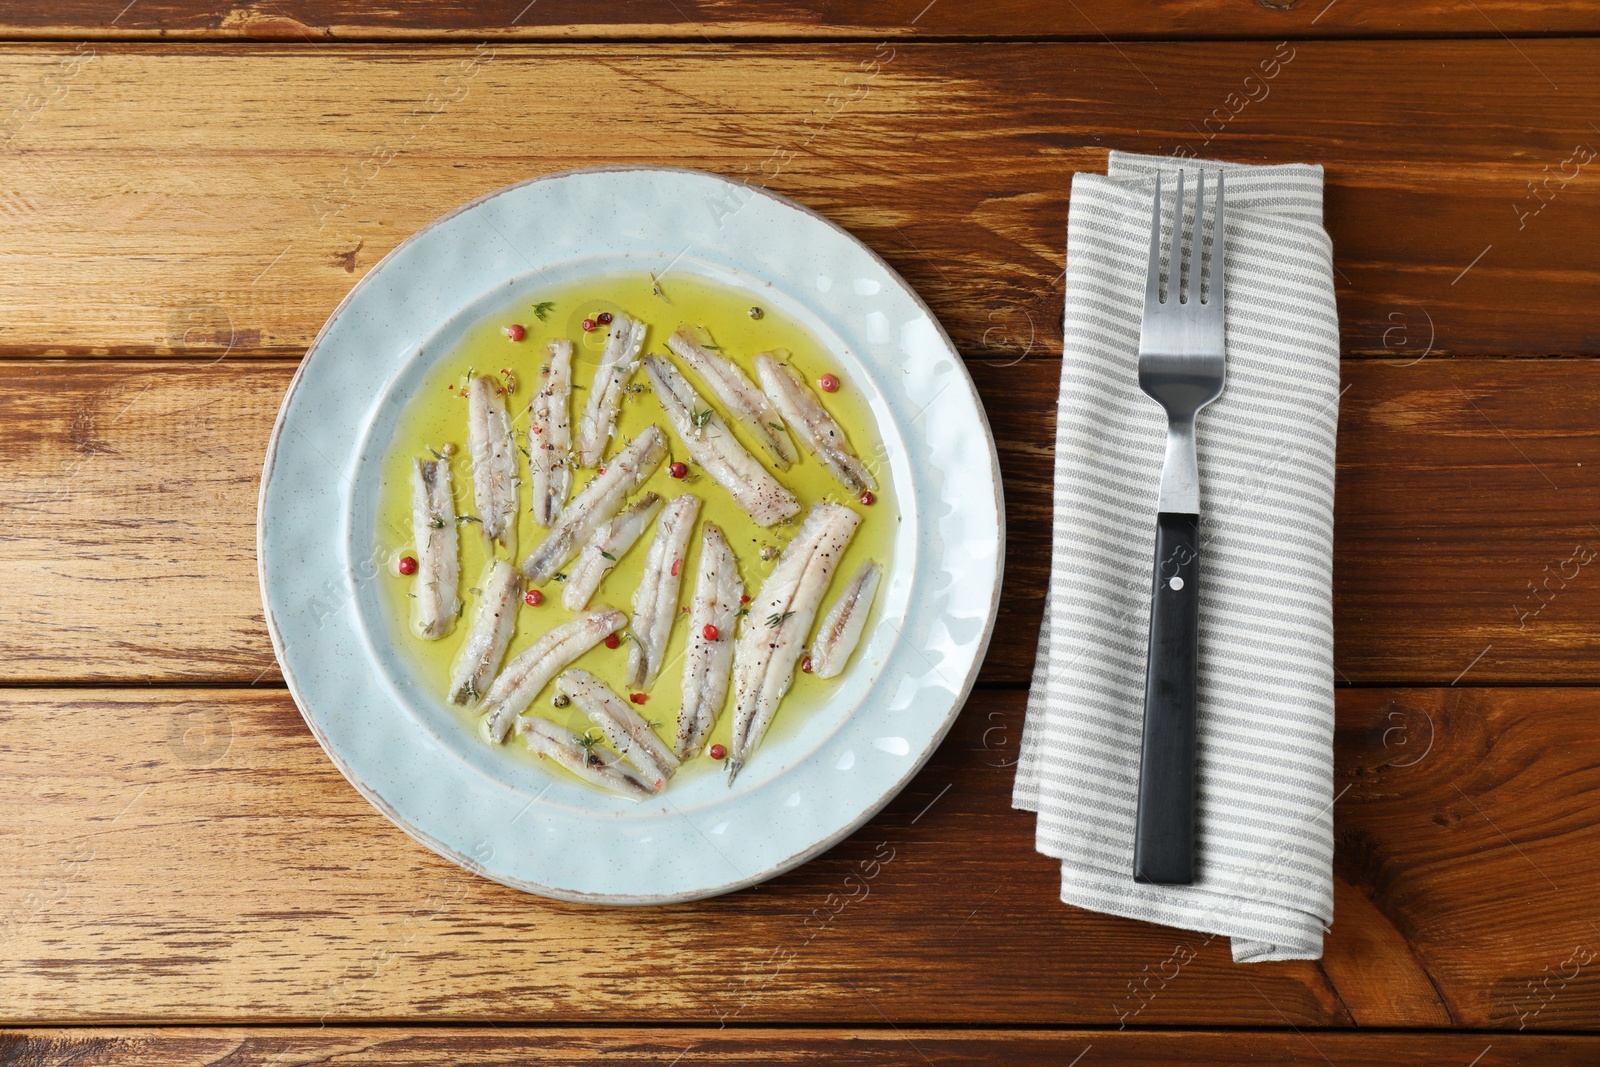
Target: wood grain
x,y
129,539
1463,523
1497,820
202,860
127,554
296,168
187,856
693,20
519,1046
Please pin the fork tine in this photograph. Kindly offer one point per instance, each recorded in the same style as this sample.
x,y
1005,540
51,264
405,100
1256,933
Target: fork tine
x,y
1196,239
1152,273
1217,262
1174,263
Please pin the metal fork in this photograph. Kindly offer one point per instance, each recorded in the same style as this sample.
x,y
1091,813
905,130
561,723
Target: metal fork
x,y
1182,360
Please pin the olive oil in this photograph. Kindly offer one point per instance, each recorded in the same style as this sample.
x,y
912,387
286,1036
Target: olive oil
x,y
740,326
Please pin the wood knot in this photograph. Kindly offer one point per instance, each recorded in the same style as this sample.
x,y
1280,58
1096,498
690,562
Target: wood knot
x,y
347,260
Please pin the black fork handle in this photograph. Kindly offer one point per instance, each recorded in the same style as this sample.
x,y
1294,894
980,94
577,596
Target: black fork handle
x,y
1164,830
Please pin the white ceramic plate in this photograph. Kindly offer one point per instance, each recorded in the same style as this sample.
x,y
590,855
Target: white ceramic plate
x,y
510,820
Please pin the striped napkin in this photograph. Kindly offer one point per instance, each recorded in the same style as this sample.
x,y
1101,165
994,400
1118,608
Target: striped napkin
x,y
1265,845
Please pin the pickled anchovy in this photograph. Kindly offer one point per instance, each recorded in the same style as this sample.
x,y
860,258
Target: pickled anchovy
x,y
608,545
708,660
494,620
617,364
541,661
655,602
627,731
555,743
494,461
434,601
770,642
840,629
713,446
596,502
748,405
550,435
812,424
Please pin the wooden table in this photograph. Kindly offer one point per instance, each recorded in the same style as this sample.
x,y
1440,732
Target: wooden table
x,y
188,190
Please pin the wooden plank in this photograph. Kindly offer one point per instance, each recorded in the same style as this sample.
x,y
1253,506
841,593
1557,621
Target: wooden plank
x,y
1464,523
182,856
1459,807
296,168
694,20
228,872
130,540
128,549
519,1046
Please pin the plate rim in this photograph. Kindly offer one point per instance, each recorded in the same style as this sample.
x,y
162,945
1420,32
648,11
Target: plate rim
x,y
869,810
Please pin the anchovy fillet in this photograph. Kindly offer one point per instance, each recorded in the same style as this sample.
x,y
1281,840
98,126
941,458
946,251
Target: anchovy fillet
x,y
617,364
494,620
550,435
771,639
627,731
608,545
748,405
541,661
840,629
707,661
812,424
655,601
494,462
596,502
713,446
434,601
558,745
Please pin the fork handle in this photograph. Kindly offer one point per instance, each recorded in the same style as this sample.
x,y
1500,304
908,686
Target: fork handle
x,y
1163,839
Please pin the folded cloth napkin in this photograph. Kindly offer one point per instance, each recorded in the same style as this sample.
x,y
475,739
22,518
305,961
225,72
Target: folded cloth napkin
x,y
1266,447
